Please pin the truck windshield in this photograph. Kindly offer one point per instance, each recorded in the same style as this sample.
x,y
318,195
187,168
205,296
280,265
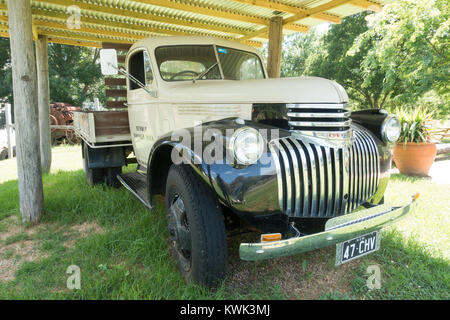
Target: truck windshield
x,y
178,63
189,62
240,65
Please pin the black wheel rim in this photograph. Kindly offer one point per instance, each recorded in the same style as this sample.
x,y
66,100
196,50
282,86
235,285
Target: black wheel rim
x,y
180,234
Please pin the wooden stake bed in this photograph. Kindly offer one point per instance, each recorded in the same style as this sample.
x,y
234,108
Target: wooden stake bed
x,y
103,128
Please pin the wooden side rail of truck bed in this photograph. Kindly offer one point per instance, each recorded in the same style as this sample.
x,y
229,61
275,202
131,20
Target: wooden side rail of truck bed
x,y
101,129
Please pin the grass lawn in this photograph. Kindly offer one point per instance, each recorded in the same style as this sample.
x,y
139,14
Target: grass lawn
x,y
122,249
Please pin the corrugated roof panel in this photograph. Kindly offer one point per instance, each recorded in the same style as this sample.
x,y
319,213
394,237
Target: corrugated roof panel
x,y
221,18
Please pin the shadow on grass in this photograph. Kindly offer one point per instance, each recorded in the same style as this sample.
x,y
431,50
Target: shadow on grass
x,y
130,259
408,271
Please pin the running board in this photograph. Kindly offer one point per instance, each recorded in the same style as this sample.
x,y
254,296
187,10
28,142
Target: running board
x,y
136,183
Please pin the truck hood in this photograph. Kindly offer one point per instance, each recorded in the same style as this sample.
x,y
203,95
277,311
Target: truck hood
x,y
279,90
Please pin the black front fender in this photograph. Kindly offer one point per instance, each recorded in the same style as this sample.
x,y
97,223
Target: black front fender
x,y
248,189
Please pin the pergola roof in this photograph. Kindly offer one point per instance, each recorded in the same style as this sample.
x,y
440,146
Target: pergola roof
x,y
126,21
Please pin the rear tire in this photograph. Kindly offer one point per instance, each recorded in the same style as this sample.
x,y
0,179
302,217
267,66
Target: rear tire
x,y
93,175
111,176
196,227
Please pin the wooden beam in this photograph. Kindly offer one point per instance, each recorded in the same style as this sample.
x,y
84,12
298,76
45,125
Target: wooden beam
x,y
289,21
61,25
44,102
312,11
35,32
69,42
116,104
31,197
290,9
368,5
77,43
117,46
275,44
115,93
296,27
84,36
115,82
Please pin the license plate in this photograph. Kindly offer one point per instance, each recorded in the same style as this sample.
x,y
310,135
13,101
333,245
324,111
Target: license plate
x,y
357,247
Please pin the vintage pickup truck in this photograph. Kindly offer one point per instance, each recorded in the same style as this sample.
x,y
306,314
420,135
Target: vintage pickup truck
x,y
286,156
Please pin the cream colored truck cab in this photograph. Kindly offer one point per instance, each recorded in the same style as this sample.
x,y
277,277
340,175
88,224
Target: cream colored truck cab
x,y
324,182
232,86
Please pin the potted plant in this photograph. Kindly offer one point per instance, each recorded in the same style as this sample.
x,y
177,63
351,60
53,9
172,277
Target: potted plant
x,y
415,152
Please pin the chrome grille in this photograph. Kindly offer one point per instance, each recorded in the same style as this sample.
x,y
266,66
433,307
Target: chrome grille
x,y
318,117
320,181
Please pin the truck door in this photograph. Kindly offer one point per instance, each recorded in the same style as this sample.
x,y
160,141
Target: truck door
x,y
142,106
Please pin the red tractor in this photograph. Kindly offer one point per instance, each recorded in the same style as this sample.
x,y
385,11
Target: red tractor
x,y
61,115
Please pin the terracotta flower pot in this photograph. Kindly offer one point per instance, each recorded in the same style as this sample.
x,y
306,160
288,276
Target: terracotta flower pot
x,y
414,158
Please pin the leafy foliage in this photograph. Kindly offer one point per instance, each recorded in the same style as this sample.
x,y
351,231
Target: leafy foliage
x,y
74,74
410,46
299,50
338,65
414,125
396,58
327,56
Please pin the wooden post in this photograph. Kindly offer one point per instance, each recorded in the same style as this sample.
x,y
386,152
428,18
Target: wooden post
x,y
29,172
8,130
44,102
275,43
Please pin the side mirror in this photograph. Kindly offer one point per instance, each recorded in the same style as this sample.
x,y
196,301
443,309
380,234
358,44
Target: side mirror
x,y
108,62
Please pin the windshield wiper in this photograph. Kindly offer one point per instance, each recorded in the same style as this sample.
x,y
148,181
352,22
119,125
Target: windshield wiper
x,y
204,73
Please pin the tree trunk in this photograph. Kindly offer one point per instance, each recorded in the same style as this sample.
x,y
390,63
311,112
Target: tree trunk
x,y
29,172
44,102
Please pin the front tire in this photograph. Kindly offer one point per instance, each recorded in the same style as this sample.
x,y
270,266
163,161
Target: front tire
x,y
196,227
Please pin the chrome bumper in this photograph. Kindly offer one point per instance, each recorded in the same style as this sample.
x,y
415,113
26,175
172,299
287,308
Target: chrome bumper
x,y
336,230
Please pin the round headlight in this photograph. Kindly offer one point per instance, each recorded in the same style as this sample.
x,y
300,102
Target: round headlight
x,y
247,145
390,129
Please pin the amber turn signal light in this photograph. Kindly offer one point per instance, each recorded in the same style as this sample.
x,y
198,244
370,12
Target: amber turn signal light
x,y
268,237
416,196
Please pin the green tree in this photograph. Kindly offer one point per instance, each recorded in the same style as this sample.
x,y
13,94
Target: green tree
x,y
5,71
298,51
6,95
75,75
410,45
335,63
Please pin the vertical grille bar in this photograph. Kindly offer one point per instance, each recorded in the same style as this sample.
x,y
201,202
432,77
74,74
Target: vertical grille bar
x,y
288,174
352,192
296,172
329,185
320,177
359,171
365,166
281,192
369,165
304,177
345,178
318,181
312,177
338,194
